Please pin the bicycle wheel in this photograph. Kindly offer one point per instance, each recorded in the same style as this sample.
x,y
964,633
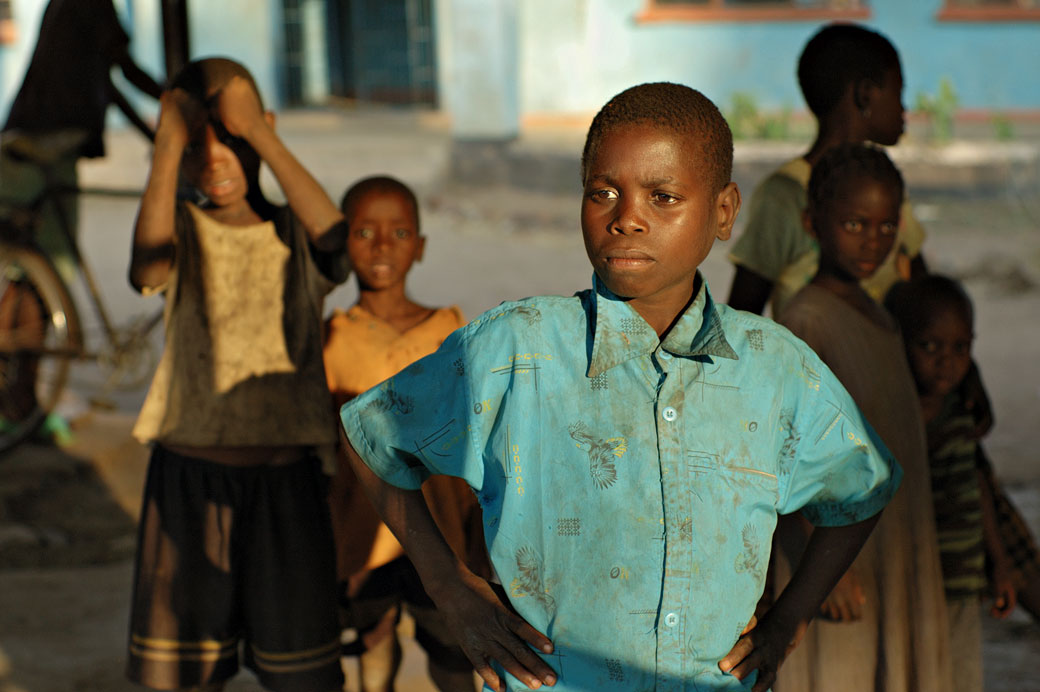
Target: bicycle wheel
x,y
39,335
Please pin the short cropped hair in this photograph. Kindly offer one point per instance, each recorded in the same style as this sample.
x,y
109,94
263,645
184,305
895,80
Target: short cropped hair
x,y
382,184
204,77
839,55
916,303
845,162
683,110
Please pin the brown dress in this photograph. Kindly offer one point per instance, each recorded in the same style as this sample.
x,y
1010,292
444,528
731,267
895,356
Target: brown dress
x,y
901,644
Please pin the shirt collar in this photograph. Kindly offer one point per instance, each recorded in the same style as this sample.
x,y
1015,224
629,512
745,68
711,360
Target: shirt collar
x,y
621,334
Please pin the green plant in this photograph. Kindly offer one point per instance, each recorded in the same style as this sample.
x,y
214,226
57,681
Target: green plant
x,y
940,109
742,115
746,121
1003,129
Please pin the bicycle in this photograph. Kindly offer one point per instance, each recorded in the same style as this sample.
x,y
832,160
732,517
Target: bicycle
x,y
41,330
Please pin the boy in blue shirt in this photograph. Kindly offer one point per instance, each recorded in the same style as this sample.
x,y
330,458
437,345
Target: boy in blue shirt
x,y
631,446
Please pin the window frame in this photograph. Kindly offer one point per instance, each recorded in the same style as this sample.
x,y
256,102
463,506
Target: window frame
x,y
950,12
719,11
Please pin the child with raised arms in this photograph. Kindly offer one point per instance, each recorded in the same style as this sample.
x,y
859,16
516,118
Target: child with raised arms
x,y
887,626
383,332
631,446
936,318
235,547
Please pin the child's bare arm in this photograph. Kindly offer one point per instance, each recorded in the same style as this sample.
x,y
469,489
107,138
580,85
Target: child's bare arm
x,y
239,109
1004,595
153,244
830,551
486,628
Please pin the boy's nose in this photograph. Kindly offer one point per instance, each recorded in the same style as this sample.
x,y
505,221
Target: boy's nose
x,y
211,145
628,219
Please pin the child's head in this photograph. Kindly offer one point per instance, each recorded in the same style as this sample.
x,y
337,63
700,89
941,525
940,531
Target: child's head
x,y
855,194
936,316
847,61
656,169
383,242
220,165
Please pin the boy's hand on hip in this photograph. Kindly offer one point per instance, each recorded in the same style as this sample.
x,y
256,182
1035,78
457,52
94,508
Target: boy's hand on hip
x,y
763,646
488,630
238,107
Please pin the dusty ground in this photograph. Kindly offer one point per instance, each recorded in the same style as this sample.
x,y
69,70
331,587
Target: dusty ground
x,y
67,515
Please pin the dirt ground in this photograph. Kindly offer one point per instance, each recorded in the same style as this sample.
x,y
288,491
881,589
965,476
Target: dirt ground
x,y
67,515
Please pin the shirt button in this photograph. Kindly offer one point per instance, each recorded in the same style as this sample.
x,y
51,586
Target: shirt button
x,y
669,414
671,619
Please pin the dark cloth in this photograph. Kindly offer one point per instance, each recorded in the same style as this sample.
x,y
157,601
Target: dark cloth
x,y
397,584
231,555
68,85
1018,540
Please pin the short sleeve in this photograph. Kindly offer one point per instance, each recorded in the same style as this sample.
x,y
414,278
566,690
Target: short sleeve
x,y
422,421
834,467
774,236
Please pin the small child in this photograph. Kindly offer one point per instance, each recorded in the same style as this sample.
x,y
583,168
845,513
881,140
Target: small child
x,y
936,316
631,446
235,545
377,337
891,633
852,82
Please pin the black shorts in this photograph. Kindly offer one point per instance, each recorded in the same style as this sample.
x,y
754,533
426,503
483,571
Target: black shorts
x,y
231,557
397,584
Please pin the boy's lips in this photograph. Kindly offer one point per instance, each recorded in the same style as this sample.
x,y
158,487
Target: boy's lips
x,y
624,259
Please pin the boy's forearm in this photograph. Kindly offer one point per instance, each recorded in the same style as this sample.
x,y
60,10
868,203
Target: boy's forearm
x,y
311,204
829,554
406,513
152,252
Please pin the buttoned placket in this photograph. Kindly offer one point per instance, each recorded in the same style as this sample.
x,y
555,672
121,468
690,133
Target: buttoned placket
x,y
676,581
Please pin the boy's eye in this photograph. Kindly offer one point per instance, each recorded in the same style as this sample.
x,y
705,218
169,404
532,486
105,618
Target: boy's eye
x,y
962,348
364,233
402,233
928,346
889,228
602,194
664,198
852,226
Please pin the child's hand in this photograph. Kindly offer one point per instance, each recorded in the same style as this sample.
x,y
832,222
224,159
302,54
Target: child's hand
x,y
488,630
238,107
179,114
845,601
762,647
1004,596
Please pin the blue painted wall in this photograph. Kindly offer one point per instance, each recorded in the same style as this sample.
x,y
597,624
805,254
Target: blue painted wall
x,y
575,54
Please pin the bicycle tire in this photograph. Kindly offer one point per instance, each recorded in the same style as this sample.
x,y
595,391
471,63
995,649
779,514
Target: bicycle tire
x,y
39,336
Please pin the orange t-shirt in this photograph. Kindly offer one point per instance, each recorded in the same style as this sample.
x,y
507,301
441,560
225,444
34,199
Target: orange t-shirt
x,y
361,351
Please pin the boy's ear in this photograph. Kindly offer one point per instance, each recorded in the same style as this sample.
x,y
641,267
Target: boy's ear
x,y
863,95
727,205
269,118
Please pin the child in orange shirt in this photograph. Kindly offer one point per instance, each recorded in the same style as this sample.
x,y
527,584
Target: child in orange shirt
x,y
380,335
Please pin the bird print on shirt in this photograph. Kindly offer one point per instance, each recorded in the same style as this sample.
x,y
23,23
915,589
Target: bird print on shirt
x,y
603,453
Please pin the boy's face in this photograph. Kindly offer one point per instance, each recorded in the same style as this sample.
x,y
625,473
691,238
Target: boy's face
x,y
887,110
940,353
649,216
384,239
212,166
857,229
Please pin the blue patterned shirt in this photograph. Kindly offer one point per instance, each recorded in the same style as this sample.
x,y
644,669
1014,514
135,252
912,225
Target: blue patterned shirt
x,y
630,486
